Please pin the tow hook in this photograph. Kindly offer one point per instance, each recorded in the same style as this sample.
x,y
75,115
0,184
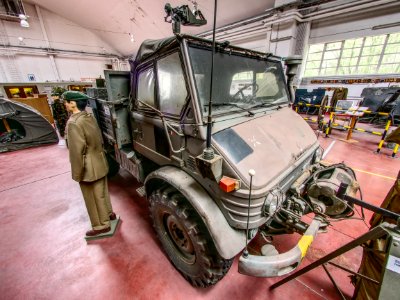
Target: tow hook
x,y
280,264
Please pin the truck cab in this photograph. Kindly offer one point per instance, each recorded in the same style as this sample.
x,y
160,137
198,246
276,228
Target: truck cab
x,y
206,209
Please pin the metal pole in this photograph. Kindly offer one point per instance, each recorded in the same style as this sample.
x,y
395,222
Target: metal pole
x,y
251,173
383,135
396,148
334,282
6,125
329,127
209,118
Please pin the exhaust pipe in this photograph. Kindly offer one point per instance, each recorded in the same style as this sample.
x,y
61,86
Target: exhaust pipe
x,y
292,63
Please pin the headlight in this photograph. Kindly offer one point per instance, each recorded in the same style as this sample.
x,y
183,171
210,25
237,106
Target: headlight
x,y
318,155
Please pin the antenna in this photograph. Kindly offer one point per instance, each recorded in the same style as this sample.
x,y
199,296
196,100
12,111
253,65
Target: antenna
x,y
209,163
246,252
208,152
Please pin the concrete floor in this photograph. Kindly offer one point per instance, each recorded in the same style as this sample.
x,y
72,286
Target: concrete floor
x,y
43,254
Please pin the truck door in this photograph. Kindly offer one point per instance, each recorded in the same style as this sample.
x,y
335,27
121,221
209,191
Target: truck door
x,y
161,85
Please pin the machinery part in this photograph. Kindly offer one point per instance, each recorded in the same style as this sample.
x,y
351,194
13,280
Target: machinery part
x,y
185,238
384,229
227,240
324,186
182,15
113,166
281,264
129,161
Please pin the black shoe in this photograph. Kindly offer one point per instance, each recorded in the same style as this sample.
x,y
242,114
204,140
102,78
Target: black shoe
x,y
113,216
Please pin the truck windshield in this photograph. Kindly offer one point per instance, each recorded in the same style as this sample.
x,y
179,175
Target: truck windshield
x,y
240,83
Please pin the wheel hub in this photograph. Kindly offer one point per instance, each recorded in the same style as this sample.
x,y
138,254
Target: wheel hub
x,y
180,238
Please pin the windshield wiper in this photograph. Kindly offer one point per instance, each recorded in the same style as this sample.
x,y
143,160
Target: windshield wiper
x,y
233,104
266,104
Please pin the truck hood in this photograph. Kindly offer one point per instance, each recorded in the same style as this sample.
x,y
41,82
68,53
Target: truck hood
x,y
268,144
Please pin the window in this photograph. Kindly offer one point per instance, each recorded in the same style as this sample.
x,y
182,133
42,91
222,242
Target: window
x,y
21,91
265,84
146,86
240,82
171,84
369,55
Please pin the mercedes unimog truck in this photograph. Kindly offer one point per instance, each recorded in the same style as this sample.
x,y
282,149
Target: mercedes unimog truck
x,y
261,172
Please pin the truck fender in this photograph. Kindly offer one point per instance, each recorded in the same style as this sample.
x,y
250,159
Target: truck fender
x,y
227,240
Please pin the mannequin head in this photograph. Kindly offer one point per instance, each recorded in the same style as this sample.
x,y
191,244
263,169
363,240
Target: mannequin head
x,y
75,102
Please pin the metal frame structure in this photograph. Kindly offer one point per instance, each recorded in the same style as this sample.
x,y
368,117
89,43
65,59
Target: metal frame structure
x,y
390,274
387,291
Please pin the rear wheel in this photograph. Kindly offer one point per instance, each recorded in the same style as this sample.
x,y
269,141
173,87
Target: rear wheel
x,y
186,239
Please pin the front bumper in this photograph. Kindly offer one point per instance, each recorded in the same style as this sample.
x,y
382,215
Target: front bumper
x,y
281,264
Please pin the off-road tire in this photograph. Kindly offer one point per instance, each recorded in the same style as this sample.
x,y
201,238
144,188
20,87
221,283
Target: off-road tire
x,y
186,239
113,166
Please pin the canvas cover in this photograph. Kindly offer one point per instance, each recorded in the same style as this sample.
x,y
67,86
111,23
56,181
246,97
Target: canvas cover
x,y
149,47
380,99
32,128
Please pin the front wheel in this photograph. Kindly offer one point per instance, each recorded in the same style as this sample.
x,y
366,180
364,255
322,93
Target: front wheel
x,y
186,239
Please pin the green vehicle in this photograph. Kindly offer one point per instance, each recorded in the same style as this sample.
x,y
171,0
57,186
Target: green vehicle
x,y
204,204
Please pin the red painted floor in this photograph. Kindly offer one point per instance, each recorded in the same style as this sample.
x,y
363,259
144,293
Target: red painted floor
x,y
43,254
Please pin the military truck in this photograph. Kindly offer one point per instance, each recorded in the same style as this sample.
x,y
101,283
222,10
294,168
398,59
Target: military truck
x,y
263,174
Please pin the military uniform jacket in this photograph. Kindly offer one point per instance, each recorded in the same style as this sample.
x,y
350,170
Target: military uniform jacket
x,y
86,154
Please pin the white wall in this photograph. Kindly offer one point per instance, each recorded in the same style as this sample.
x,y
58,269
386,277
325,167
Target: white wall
x,y
38,65
74,69
359,25
17,61
282,39
257,43
278,40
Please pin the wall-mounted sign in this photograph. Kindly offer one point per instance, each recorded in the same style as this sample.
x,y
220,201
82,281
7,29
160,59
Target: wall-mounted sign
x,y
31,77
355,81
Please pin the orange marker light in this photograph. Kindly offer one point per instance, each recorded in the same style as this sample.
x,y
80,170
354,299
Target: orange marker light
x,y
228,184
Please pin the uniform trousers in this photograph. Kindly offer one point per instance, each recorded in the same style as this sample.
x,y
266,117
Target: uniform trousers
x,y
97,202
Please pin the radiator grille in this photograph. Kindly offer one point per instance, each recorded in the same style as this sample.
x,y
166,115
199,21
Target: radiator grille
x,y
191,163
